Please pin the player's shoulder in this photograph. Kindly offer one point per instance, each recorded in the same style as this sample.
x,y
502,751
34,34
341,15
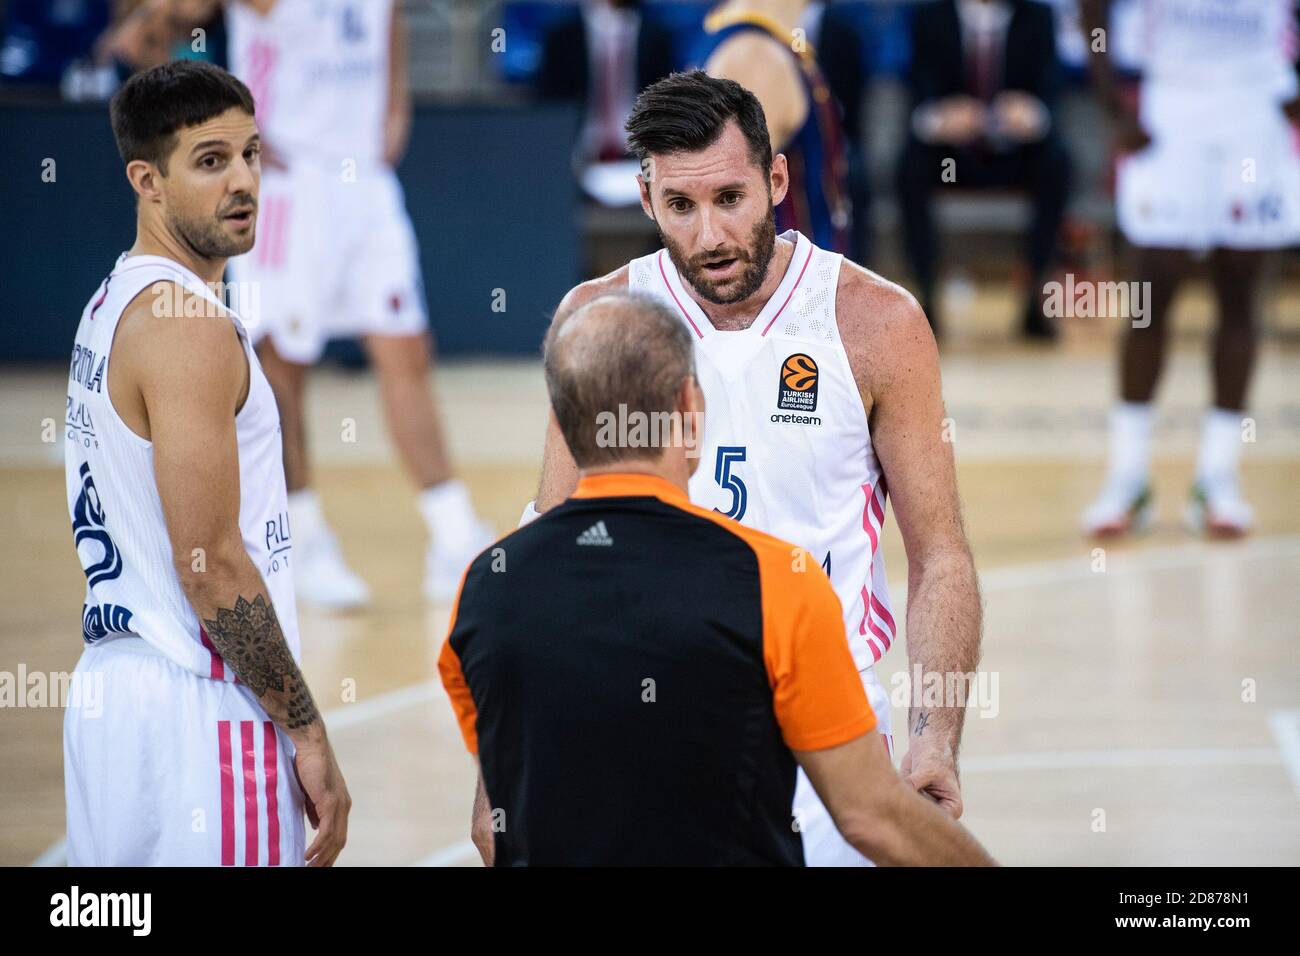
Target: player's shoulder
x,y
880,323
871,303
585,292
168,331
172,315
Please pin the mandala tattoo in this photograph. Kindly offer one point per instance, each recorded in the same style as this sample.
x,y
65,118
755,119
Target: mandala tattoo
x,y
249,638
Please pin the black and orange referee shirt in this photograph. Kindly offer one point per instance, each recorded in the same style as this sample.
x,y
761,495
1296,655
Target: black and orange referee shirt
x,y
634,671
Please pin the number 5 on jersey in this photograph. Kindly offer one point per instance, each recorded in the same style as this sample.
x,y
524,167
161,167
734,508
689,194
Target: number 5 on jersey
x,y
726,478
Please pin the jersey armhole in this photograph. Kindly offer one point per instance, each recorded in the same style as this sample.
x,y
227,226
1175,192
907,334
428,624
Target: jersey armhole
x,y
245,348
108,378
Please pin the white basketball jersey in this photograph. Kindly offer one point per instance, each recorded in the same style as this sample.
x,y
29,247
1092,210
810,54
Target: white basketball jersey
x,y
318,72
132,588
786,447
1219,53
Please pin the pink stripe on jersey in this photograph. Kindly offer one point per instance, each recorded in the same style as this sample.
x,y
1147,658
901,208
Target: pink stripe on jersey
x,y
873,507
866,517
669,286
103,294
876,507
883,613
250,793
270,751
227,794
885,642
216,666
261,59
792,289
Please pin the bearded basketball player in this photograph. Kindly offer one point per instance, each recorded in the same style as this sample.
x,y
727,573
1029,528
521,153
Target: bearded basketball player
x,y
821,383
209,744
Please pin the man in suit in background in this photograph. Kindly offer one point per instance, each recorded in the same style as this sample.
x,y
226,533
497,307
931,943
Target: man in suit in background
x,y
984,81
603,56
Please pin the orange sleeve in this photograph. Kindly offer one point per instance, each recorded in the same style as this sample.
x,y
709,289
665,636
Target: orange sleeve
x,y
816,690
453,680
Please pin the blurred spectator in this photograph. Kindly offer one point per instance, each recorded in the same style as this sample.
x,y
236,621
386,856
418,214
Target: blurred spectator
x,y
44,38
603,56
984,81
147,33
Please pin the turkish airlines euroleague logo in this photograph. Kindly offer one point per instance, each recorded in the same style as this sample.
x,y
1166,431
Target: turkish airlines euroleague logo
x,y
797,390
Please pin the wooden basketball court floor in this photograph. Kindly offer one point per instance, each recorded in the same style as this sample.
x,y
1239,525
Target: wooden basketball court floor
x,y
1147,705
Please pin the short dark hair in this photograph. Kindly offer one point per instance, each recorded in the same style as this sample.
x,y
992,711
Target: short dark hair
x,y
686,112
633,352
153,105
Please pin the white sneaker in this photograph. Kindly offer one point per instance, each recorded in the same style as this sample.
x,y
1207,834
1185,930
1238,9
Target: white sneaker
x,y
447,560
1119,510
321,576
1218,510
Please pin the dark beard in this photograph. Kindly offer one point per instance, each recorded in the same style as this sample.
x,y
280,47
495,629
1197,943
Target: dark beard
x,y
207,239
762,243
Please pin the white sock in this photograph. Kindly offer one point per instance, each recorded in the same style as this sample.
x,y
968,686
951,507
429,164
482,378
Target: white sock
x,y
306,520
1220,451
1130,444
447,510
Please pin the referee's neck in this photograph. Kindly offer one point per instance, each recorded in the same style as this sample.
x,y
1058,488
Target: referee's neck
x,y
674,469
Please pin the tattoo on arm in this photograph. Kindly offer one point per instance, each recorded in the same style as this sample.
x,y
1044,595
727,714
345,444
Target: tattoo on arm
x,y
921,722
249,638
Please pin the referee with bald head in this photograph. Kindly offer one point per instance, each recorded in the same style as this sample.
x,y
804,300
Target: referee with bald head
x,y
639,677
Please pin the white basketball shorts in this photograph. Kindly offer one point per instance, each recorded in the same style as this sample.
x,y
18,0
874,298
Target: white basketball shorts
x,y
1230,179
822,843
173,769
335,257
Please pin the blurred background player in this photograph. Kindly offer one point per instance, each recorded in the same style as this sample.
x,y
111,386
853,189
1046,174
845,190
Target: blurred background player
x,y
984,80
337,257
763,46
1211,172
177,498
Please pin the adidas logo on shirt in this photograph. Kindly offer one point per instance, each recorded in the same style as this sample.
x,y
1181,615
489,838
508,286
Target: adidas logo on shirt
x,y
596,535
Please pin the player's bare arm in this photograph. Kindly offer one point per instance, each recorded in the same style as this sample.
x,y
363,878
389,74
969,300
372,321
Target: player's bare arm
x,y
896,364
179,382
559,473
758,63
880,815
